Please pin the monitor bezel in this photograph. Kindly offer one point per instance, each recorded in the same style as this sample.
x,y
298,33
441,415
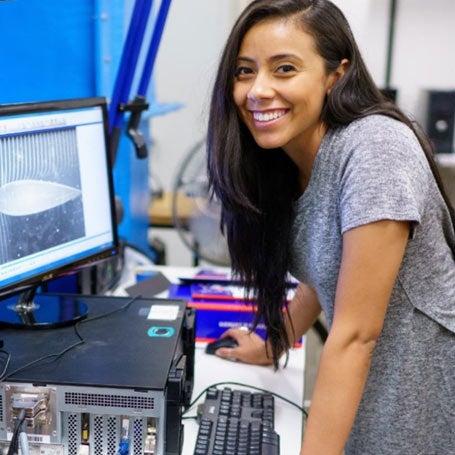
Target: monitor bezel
x,y
93,258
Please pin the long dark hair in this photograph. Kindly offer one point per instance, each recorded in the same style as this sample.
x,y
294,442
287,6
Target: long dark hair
x,y
257,187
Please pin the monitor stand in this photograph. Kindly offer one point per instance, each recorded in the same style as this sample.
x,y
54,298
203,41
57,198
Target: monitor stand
x,y
34,310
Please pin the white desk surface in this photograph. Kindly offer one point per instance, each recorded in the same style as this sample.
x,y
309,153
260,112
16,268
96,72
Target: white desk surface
x,y
209,369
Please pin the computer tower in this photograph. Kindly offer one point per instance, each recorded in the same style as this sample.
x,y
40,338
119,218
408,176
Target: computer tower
x,y
119,380
440,119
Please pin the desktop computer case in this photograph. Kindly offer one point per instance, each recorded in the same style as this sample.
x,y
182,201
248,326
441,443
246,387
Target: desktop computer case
x,y
82,419
76,420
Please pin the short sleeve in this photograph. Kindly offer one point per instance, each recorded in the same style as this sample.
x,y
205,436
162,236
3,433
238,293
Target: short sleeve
x,y
385,177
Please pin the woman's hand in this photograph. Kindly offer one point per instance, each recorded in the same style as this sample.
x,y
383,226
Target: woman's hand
x,y
303,310
251,348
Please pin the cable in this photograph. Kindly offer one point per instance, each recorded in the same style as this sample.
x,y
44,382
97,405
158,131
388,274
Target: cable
x,y
5,367
286,360
14,444
40,359
81,341
233,383
19,436
23,443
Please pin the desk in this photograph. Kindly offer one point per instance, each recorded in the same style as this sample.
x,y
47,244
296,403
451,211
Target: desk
x,y
209,369
160,210
161,216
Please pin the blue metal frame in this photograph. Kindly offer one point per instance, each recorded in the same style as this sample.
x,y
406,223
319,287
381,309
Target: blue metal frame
x,y
57,49
133,187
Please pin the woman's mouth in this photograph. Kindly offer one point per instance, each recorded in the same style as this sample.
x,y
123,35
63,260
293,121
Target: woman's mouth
x,y
262,116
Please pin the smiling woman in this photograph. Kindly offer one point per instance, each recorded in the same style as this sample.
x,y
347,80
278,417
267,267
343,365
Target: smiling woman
x,y
280,87
319,175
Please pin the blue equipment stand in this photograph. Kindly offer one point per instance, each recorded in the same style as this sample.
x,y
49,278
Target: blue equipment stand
x,y
132,187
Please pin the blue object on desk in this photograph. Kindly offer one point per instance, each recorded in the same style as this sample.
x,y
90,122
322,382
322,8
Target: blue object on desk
x,y
214,317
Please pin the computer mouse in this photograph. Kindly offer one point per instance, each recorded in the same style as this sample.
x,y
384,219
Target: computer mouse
x,y
226,342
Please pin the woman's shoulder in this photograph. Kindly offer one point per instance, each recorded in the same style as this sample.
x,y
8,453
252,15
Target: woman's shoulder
x,y
376,133
369,139
377,126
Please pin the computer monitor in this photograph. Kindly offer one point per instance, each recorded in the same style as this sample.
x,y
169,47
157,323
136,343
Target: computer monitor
x,y
57,210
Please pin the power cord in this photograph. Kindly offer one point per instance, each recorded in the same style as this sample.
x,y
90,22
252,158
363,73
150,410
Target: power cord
x,y
248,386
14,445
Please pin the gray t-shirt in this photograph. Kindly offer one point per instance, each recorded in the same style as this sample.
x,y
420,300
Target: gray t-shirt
x,y
370,170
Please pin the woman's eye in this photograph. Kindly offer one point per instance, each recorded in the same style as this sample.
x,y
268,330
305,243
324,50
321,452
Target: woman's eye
x,y
242,71
286,68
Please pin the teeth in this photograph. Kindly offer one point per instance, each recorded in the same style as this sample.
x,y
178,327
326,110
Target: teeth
x,y
267,116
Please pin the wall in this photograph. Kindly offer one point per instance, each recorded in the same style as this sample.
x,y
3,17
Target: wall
x,y
186,62
423,57
193,39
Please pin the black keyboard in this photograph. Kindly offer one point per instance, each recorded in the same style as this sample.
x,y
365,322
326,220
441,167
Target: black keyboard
x,y
237,422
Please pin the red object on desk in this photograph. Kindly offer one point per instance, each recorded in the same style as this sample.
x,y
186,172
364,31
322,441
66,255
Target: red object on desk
x,y
216,313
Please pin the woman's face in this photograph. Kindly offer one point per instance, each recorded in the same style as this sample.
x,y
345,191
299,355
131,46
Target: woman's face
x,y
280,86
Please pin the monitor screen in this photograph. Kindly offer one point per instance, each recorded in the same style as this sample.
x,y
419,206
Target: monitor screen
x,y
57,208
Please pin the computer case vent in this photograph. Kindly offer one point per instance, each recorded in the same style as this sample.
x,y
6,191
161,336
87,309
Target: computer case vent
x,y
109,400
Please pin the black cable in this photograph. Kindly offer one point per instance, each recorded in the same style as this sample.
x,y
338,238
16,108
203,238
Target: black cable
x,y
14,444
286,360
239,384
81,341
40,359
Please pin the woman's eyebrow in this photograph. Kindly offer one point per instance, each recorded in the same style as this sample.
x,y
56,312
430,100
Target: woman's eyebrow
x,y
245,59
271,58
282,56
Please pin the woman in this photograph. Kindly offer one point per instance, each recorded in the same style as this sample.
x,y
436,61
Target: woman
x,y
322,177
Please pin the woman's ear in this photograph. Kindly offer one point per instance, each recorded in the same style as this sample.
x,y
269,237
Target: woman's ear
x,y
338,73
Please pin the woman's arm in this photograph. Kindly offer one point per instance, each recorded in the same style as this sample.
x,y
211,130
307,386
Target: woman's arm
x,y
302,312
371,258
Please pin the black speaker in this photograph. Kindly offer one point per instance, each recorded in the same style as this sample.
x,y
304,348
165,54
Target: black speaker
x,y
441,119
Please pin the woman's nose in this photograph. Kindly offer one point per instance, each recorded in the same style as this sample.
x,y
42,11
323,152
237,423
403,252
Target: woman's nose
x,y
261,88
